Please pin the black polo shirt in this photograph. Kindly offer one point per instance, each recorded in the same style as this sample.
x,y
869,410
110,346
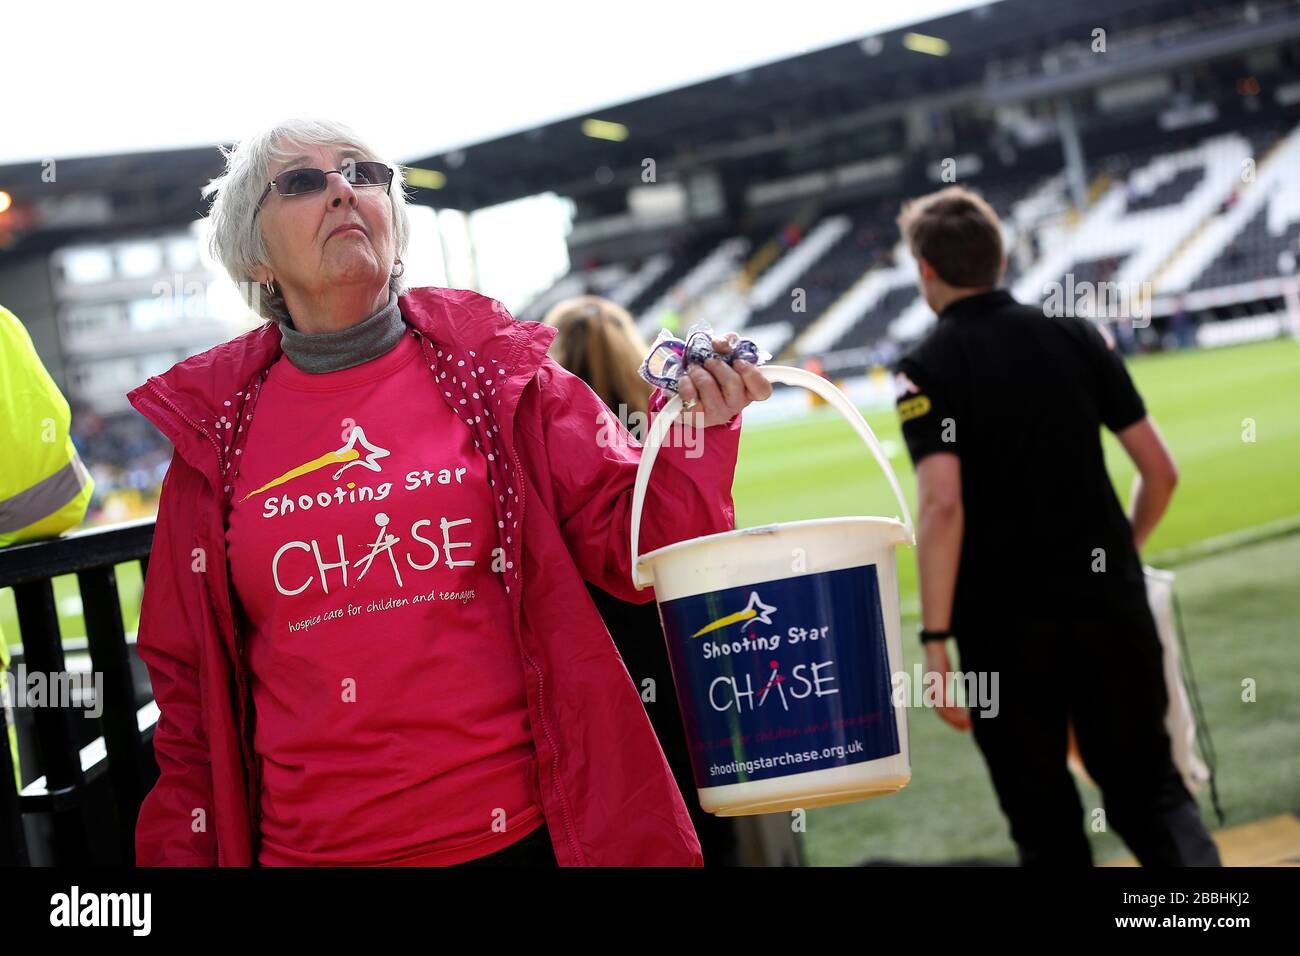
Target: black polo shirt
x,y
1020,398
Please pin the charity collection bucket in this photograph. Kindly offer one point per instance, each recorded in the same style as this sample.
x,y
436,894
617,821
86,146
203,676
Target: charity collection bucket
x,y
783,640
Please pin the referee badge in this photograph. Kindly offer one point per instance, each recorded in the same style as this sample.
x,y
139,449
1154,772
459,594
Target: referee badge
x,y
913,408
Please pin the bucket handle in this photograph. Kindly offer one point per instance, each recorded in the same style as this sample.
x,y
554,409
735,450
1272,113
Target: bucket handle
x,y
788,375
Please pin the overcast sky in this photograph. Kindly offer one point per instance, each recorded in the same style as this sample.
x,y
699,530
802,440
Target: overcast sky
x,y
87,79
93,78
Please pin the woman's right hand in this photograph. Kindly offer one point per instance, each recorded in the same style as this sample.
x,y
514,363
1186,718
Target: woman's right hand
x,y
721,391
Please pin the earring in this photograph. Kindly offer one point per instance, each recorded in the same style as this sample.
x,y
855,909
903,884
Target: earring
x,y
399,269
269,290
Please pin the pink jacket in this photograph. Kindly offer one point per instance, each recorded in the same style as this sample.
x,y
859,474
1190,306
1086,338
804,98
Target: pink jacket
x,y
605,787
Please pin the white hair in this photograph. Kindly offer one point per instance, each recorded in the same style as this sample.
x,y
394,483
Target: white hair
x,y
238,246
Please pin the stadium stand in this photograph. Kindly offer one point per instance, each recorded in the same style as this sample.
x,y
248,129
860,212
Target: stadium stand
x,y
1174,212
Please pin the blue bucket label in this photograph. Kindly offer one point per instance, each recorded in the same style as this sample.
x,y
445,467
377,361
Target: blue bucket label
x,y
783,677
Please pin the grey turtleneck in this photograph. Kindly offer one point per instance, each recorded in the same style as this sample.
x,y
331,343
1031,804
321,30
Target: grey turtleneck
x,y
319,352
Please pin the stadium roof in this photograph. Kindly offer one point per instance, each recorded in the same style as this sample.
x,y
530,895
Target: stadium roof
x,y
771,120
755,115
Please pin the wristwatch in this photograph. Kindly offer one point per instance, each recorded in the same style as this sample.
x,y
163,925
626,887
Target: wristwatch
x,y
928,636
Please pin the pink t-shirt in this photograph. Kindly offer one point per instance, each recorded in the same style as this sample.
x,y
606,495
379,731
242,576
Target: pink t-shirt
x,y
391,714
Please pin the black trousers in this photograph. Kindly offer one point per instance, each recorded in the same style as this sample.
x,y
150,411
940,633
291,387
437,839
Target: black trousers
x,y
1099,666
533,850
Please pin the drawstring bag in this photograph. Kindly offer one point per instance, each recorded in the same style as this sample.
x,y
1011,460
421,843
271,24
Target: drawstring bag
x,y
1185,718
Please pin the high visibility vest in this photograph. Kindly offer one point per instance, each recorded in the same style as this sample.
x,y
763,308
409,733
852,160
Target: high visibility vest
x,y
44,487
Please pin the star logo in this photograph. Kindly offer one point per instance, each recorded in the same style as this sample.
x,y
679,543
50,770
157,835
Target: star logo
x,y
754,611
348,454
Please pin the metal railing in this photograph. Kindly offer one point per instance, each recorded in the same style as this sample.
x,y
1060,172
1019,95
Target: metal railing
x,y
82,807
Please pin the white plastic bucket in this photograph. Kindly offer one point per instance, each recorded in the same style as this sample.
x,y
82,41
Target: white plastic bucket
x,y
783,640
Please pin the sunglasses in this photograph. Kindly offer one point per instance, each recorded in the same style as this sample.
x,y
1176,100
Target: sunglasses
x,y
299,182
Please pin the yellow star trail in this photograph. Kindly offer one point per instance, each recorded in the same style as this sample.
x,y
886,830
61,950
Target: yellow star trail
x,y
329,458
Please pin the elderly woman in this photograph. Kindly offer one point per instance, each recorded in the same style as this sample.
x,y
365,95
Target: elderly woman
x,y
364,615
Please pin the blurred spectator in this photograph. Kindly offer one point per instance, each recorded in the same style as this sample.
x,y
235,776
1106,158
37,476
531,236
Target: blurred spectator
x,y
598,341
885,353
1124,336
1181,327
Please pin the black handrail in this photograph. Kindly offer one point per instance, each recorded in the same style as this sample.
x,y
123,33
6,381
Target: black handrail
x,y
79,837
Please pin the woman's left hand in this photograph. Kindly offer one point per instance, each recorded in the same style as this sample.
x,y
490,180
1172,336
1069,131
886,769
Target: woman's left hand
x,y
721,390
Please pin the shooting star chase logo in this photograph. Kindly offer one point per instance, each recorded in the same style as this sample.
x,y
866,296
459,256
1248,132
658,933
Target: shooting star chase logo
x,y
755,610
348,454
